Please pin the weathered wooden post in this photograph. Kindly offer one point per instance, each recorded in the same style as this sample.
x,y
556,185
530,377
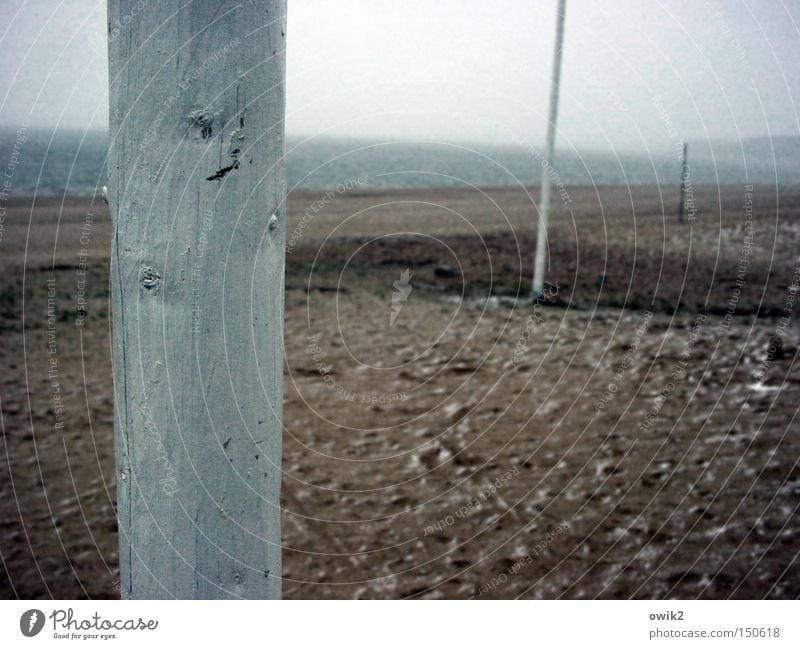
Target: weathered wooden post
x,y
196,187
544,197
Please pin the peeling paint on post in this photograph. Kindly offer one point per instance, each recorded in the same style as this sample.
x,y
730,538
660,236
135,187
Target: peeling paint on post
x,y
197,188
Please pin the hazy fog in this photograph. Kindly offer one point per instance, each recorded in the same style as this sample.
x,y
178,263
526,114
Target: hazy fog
x,y
466,70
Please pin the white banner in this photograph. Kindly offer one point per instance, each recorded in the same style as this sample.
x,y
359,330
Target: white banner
x,y
400,624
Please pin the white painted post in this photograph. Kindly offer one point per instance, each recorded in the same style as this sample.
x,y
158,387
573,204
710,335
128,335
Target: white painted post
x,y
197,188
544,198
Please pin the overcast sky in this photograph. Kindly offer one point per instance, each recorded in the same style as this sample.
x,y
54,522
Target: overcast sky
x,y
466,70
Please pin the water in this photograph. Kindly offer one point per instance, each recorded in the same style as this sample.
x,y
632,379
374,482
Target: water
x,y
50,164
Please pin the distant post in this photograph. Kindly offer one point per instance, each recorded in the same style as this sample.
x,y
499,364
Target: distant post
x,y
684,180
544,198
196,189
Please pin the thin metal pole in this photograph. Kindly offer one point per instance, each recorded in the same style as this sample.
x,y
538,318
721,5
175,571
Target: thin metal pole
x,y
684,178
544,199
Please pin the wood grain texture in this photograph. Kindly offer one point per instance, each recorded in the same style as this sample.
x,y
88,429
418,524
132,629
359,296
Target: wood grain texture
x,y
197,188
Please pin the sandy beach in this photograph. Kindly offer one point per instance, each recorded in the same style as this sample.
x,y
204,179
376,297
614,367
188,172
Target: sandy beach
x,y
633,436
